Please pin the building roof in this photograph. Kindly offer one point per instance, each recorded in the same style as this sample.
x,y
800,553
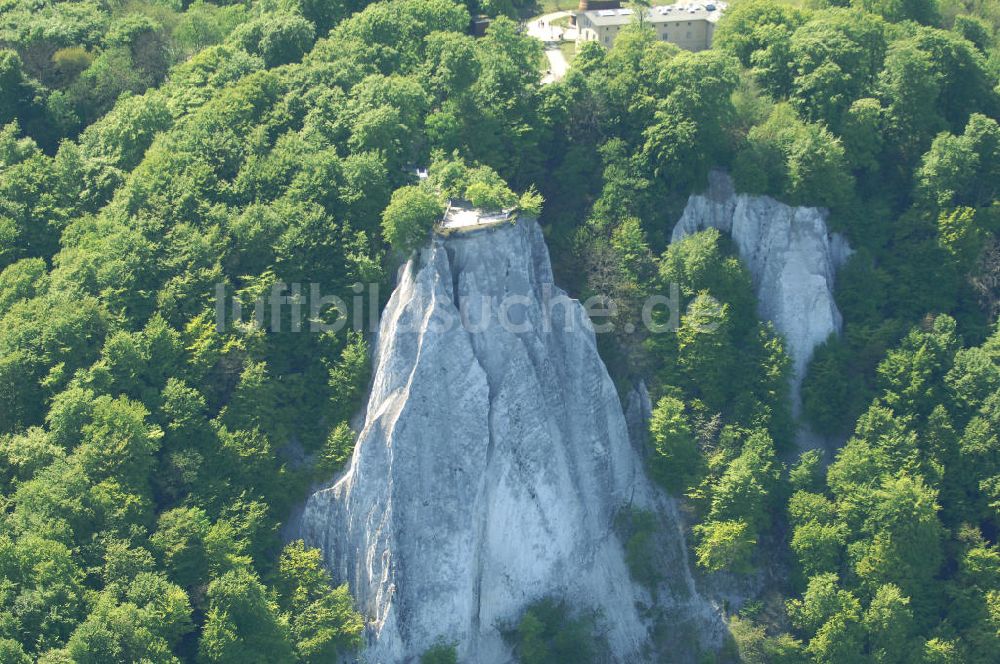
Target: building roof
x,y
707,11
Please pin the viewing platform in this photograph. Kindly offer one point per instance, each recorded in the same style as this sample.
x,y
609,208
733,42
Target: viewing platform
x,y
461,217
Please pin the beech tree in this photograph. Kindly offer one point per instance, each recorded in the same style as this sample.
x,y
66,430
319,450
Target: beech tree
x,y
243,623
408,219
676,460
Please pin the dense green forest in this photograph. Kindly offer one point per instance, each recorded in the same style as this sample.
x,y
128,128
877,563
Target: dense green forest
x,y
152,149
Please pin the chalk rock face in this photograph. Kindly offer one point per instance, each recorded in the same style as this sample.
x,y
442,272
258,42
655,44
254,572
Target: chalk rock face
x,y
493,460
792,259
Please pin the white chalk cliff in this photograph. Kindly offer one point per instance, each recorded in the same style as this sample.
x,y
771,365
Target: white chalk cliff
x,y
792,258
491,465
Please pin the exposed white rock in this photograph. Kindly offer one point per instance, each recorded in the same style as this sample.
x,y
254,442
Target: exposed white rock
x,y
792,258
491,465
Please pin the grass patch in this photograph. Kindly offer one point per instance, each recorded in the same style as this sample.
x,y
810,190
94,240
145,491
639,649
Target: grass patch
x,y
549,6
568,49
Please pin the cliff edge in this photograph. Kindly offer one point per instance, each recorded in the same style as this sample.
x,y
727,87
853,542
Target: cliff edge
x,y
792,258
493,461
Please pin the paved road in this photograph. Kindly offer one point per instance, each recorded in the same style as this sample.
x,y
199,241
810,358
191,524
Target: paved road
x,y
557,64
543,30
